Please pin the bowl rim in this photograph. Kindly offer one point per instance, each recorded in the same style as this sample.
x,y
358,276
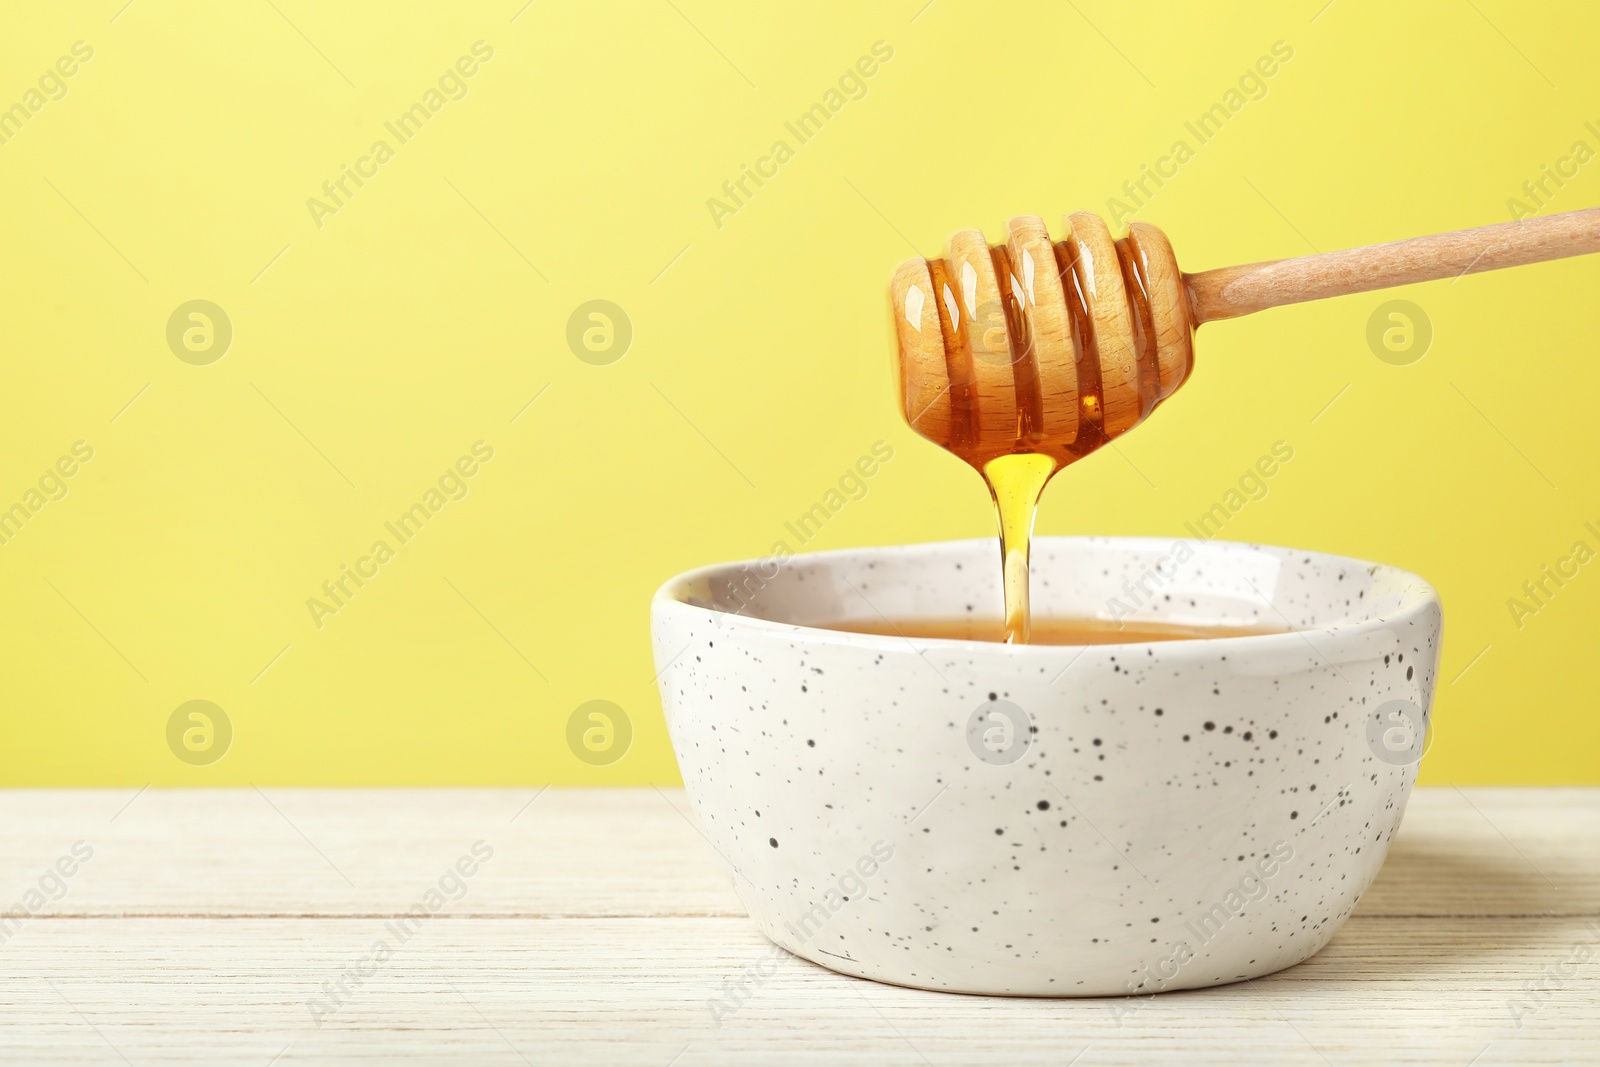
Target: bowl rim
x,y
671,598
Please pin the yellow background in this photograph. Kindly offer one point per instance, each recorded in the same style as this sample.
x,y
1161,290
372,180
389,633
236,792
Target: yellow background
x,y
378,347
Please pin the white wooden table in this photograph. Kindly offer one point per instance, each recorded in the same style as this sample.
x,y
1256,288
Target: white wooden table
x,y
209,926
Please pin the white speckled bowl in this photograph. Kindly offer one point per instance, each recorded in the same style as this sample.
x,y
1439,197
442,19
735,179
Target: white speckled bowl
x,y
1058,821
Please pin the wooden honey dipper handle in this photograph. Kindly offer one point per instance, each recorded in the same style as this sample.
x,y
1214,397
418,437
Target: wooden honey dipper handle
x,y
1038,345
1229,292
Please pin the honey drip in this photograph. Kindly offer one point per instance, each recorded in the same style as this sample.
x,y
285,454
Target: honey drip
x,y
1015,482
1025,357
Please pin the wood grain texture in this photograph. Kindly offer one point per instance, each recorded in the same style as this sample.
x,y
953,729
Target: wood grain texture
x,y
1229,292
1093,253
1051,350
204,926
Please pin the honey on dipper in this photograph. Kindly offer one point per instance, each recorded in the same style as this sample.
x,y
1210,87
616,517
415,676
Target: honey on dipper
x,y
1023,357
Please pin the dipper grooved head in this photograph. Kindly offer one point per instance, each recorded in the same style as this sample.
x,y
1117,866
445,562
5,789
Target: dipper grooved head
x,y
1037,345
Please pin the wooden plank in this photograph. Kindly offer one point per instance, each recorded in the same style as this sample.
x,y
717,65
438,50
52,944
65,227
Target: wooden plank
x,y
354,852
1493,851
636,991
211,926
623,852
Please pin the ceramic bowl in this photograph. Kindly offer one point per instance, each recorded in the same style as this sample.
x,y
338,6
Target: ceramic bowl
x,y
1050,821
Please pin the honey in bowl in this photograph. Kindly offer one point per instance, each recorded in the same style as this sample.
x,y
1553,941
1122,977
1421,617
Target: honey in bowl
x,y
1051,630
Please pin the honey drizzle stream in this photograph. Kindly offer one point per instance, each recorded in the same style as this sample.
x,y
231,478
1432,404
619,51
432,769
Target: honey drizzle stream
x,y
1015,482
1017,462
1017,479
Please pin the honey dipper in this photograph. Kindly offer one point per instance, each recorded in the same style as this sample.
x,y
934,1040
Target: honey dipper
x,y
1048,349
